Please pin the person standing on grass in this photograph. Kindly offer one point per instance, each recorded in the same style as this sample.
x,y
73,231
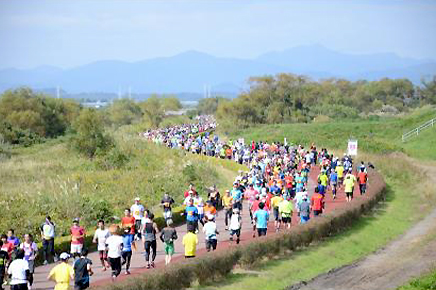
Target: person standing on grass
x,y
48,234
168,236
235,225
149,231
30,253
210,232
114,245
62,273
261,218
82,271
19,272
128,243
190,242
77,237
137,210
304,209
362,178
317,202
349,181
3,261
285,209
100,237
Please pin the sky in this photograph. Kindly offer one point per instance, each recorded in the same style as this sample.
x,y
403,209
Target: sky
x,y
72,33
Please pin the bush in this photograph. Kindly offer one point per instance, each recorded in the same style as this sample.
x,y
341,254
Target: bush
x,y
90,138
114,159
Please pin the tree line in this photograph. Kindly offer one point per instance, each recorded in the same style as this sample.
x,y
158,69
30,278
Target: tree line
x,y
27,117
289,98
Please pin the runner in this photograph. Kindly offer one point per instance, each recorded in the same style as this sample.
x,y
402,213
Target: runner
x,y
7,247
362,178
333,182
166,202
12,239
128,221
261,218
236,196
304,209
48,229
149,231
82,271
235,225
138,210
100,237
340,171
114,246
209,209
191,213
77,237
190,242
285,209
227,201
128,243
349,181
317,203
275,201
168,236
62,273
30,253
210,232
19,272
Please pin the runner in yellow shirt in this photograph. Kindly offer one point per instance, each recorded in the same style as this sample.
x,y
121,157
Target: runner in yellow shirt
x,y
190,241
349,181
275,201
62,273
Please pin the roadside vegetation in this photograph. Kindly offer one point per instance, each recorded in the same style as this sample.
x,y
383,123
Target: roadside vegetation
x,y
425,282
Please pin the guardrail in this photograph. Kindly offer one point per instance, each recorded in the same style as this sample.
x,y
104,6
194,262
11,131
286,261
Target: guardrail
x,y
416,131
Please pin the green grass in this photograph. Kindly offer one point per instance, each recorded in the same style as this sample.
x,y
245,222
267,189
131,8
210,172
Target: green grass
x,y
51,179
378,135
425,282
407,201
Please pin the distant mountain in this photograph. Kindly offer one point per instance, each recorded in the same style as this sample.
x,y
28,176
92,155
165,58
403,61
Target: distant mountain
x,y
190,71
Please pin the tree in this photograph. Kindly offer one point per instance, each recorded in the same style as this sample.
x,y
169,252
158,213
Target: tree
x,y
90,138
25,113
124,112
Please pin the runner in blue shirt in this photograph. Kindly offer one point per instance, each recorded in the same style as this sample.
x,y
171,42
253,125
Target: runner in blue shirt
x,y
261,218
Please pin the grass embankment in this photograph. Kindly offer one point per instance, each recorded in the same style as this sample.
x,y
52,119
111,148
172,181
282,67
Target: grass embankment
x,y
51,179
425,282
379,135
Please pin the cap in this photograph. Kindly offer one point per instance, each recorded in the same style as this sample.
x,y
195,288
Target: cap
x,y
137,198
64,256
76,220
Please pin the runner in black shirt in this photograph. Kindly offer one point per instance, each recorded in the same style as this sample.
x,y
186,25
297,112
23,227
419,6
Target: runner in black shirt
x,y
82,271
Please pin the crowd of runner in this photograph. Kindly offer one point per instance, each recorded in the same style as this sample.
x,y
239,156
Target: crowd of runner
x,y
275,185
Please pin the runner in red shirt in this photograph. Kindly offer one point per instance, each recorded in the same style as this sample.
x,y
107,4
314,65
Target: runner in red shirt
x,y
362,178
317,203
77,237
191,188
128,221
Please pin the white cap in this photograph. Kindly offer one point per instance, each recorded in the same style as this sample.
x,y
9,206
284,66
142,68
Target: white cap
x,y
64,256
137,198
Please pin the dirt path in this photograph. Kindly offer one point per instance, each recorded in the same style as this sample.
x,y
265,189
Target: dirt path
x,y
409,256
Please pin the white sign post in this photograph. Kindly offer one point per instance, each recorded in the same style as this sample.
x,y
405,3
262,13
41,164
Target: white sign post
x,y
352,147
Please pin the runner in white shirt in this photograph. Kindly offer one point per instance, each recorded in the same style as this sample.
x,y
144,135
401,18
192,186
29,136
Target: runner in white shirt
x,y
19,271
30,252
114,245
137,210
199,204
100,237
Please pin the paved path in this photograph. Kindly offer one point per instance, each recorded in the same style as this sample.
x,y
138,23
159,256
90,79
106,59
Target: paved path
x,y
138,261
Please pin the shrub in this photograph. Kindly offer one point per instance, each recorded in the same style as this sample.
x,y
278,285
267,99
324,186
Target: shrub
x,y
90,138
